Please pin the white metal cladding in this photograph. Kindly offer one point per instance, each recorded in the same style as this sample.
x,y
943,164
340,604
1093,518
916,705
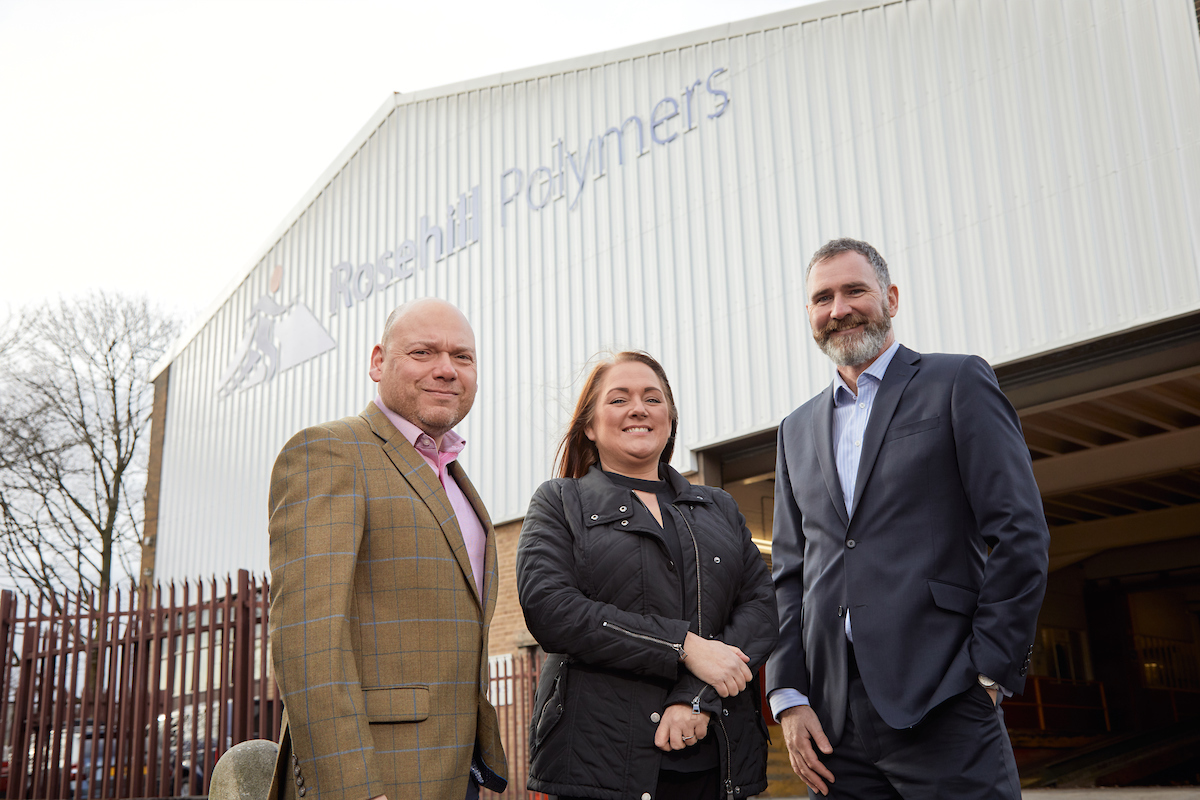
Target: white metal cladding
x,y
1029,168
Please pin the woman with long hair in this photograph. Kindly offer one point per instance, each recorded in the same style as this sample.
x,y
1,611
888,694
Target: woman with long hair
x,y
653,604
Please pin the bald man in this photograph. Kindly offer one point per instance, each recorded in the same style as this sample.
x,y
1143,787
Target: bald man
x,y
383,582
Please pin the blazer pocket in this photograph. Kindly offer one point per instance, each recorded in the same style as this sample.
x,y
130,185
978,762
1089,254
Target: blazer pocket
x,y
396,703
908,429
958,599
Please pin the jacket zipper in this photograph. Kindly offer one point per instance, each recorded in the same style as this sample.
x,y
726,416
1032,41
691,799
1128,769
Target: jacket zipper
x,y
678,648
553,689
728,761
699,606
696,548
699,623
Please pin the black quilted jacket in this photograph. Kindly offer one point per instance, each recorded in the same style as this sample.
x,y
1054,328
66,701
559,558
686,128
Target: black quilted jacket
x,y
599,592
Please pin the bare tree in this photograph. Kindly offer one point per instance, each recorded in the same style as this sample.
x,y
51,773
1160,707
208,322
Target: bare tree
x,y
75,402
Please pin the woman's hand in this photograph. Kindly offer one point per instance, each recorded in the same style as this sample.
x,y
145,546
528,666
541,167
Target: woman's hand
x,y
680,728
720,665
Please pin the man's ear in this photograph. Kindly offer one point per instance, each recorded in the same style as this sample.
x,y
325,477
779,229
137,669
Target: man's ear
x,y
376,370
893,297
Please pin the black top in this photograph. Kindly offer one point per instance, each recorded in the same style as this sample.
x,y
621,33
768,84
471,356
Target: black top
x,y
682,551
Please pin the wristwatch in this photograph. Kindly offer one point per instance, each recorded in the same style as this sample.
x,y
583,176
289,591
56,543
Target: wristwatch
x,y
986,682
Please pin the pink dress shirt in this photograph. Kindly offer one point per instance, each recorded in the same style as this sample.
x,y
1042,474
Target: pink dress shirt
x,y
474,536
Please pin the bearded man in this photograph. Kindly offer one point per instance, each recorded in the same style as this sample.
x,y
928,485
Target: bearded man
x,y
909,557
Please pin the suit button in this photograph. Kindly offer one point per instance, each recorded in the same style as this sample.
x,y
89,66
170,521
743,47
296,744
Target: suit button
x,y
655,717
301,791
646,796
725,711
624,522
299,780
624,509
851,543
595,516
296,770
716,559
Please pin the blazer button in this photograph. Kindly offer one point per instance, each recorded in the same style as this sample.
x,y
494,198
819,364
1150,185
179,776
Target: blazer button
x,y
655,717
623,509
624,522
716,559
301,791
299,780
595,516
296,770
851,543
646,796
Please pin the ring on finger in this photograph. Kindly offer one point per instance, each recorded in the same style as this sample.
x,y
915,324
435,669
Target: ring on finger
x,y
688,737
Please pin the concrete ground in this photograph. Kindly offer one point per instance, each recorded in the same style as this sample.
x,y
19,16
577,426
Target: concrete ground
x,y
1136,793
1109,793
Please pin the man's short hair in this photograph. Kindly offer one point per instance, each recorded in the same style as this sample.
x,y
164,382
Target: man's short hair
x,y
838,246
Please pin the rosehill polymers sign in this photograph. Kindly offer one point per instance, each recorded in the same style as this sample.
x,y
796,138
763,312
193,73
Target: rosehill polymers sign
x,y
277,337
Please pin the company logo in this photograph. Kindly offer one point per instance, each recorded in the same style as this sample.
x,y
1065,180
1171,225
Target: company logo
x,y
570,172
277,337
349,284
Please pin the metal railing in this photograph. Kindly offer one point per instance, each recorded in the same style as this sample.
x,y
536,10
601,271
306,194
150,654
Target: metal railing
x,y
1168,663
513,685
136,694
1059,705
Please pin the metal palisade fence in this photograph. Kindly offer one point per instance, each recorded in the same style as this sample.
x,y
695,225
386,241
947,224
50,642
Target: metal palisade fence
x,y
134,694
138,693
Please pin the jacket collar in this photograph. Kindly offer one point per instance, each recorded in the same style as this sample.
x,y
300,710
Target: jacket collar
x,y
899,372
903,367
425,482
603,502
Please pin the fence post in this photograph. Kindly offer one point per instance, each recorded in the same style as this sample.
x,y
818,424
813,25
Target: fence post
x,y
8,615
243,658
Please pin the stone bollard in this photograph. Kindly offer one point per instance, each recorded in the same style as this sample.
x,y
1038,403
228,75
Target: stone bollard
x,y
244,772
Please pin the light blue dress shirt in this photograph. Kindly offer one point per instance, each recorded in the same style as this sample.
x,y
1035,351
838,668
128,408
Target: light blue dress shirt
x,y
851,413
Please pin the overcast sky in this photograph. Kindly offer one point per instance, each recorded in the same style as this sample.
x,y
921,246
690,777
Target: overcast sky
x,y
153,146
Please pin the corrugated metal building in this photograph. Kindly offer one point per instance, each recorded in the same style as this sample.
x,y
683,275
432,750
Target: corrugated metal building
x,y
1030,169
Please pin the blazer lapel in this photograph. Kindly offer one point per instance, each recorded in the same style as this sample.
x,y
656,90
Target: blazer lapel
x,y
823,436
489,564
891,388
424,481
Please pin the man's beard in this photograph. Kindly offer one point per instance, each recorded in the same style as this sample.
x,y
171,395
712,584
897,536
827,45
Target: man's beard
x,y
855,349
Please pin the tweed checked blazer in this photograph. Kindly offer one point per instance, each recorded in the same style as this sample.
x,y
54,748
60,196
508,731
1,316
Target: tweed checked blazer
x,y
378,634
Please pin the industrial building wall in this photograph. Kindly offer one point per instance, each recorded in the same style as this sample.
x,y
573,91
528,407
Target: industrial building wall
x,y
1030,170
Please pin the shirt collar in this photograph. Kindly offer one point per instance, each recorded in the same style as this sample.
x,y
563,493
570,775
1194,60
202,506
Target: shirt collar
x,y
842,393
452,443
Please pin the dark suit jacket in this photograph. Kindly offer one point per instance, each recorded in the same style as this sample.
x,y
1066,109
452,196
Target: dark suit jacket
x,y
944,475
378,633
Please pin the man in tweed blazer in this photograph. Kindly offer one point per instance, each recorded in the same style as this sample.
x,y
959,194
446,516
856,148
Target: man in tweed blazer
x,y
383,582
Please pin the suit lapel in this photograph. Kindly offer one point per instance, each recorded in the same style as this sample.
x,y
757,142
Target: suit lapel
x,y
891,388
421,477
489,564
823,436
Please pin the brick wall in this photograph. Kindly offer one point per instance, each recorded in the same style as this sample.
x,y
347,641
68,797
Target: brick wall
x,y
507,632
